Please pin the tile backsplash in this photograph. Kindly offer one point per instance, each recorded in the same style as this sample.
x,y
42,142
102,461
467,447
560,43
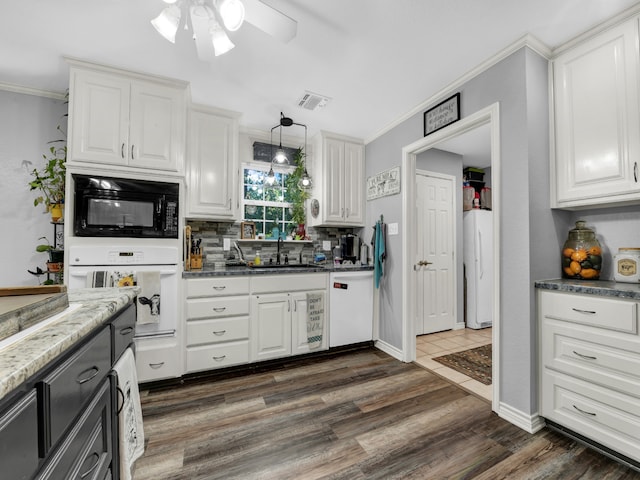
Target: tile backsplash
x,y
214,233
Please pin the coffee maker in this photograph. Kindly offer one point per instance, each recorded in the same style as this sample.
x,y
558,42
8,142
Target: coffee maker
x,y
350,247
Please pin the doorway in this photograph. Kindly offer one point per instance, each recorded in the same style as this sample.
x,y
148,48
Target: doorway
x,y
488,116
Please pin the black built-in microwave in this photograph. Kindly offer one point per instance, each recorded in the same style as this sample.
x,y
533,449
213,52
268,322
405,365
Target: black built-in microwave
x,y
123,207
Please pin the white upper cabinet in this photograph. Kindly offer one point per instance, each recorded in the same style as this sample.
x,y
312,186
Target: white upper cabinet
x,y
212,165
597,120
126,120
338,176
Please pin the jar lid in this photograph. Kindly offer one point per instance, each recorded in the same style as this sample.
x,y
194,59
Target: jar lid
x,y
581,232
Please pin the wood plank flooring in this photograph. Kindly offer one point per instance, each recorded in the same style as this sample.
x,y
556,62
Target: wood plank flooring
x,y
358,415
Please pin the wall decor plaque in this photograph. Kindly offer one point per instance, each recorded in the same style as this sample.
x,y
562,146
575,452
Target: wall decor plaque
x,y
443,114
383,183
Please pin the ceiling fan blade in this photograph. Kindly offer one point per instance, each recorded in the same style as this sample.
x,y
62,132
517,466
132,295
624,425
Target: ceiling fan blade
x,y
270,20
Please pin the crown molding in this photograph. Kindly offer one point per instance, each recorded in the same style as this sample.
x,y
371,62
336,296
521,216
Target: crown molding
x,y
528,41
8,87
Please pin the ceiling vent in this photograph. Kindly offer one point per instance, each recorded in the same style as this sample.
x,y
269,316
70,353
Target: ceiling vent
x,y
313,101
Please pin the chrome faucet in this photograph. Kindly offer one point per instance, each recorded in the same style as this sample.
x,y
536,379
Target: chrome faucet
x,y
278,253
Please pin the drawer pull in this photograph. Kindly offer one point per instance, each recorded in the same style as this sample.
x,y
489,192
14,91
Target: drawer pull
x,y
220,332
219,288
219,309
126,330
591,414
586,312
91,371
93,467
586,357
156,366
220,358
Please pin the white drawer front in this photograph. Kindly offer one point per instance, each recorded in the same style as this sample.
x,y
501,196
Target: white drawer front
x,y
217,356
217,307
288,283
158,359
217,286
608,358
200,332
607,417
609,313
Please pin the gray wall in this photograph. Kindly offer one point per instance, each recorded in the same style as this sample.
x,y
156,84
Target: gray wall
x,y
528,228
27,123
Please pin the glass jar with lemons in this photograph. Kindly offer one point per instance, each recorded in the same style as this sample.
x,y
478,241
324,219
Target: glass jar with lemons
x,y
581,254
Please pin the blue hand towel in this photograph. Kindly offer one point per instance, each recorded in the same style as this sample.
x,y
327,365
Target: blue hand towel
x,y
378,266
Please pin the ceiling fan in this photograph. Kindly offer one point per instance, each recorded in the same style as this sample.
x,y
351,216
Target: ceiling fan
x,y
211,19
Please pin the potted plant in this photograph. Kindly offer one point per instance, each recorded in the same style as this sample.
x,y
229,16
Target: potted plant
x,y
50,180
297,195
56,255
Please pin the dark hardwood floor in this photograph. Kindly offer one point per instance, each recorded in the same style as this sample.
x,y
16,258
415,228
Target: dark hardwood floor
x,y
358,415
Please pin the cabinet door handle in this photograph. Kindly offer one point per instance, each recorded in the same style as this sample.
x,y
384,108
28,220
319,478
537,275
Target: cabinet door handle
x,y
586,357
586,312
635,172
126,330
156,366
220,358
93,467
122,150
132,146
591,414
347,216
219,309
219,288
91,373
219,332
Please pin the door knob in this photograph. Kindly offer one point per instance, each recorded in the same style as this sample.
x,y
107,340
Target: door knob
x,y
424,263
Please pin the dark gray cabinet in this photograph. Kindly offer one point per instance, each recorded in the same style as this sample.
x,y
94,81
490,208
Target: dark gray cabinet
x,y
19,439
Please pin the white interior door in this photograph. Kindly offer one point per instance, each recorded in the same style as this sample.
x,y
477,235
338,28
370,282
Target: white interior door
x,y
434,262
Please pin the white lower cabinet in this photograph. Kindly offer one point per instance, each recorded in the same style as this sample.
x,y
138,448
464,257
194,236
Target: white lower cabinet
x,y
158,359
279,314
217,322
590,367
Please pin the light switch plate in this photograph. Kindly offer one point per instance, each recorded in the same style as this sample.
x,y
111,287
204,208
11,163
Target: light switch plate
x,y
393,229
226,244
326,245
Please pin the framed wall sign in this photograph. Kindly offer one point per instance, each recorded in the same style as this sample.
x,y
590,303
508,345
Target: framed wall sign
x,y
443,114
383,183
247,230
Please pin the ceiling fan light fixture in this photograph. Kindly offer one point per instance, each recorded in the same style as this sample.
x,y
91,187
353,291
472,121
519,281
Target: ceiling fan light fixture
x,y
167,22
232,13
221,42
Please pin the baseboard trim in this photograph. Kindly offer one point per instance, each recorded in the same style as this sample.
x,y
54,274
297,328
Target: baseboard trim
x,y
389,349
528,423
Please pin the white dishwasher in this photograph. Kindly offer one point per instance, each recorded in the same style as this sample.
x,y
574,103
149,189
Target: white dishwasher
x,y
350,307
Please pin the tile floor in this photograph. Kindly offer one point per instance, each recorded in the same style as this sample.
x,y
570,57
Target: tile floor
x,y
442,343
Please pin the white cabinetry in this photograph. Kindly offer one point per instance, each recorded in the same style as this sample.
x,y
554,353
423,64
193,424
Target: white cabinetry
x,y
217,322
597,120
212,164
279,314
124,119
590,367
338,168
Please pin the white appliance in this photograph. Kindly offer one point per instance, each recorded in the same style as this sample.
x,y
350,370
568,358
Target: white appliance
x,y
86,259
350,307
478,261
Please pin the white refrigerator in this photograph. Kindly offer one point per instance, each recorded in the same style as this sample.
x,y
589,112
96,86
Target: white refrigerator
x,y
477,228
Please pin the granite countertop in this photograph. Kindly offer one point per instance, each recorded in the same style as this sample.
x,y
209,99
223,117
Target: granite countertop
x,y
266,269
603,288
26,357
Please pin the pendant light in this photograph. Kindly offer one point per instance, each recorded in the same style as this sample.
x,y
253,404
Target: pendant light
x,y
280,156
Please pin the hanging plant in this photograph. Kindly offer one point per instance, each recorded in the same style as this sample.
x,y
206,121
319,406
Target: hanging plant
x,y
297,195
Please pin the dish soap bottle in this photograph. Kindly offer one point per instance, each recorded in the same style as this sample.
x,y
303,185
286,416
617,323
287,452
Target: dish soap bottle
x,y
256,259
581,254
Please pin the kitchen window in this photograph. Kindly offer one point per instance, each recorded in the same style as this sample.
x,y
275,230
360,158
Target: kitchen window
x,y
267,206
